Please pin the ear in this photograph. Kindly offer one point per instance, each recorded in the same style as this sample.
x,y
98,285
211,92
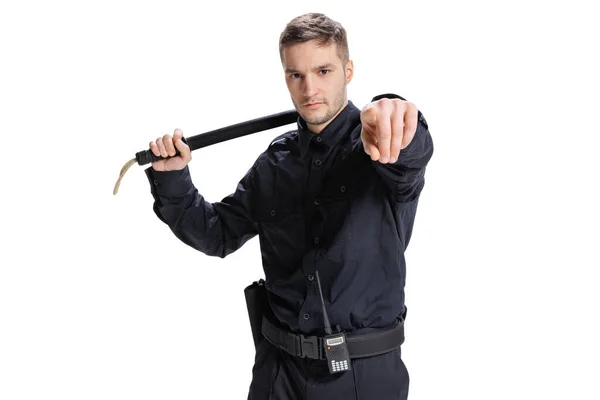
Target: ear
x,y
349,68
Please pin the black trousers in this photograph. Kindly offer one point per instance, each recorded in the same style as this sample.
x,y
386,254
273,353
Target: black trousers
x,y
277,375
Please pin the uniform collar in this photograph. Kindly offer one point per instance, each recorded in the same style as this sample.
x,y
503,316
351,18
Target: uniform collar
x,y
345,121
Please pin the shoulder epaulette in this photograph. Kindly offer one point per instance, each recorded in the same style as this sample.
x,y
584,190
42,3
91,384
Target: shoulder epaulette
x,y
283,137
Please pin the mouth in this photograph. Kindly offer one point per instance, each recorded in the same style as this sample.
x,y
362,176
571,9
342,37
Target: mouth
x,y
312,106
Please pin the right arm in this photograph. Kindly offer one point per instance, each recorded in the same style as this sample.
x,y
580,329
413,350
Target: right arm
x,y
216,229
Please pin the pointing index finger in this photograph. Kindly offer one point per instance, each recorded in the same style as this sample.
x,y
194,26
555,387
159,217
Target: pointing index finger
x,y
397,122
384,132
410,127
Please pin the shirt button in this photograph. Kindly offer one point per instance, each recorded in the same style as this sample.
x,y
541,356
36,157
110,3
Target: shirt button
x,y
319,139
343,189
317,240
343,156
318,162
317,202
311,277
306,316
272,213
155,182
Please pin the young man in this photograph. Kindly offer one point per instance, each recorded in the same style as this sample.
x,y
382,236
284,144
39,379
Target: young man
x,y
334,199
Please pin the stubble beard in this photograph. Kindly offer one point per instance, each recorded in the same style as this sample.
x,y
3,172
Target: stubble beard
x,y
330,112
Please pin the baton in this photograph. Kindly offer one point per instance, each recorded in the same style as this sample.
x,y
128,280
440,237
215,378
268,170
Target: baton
x,y
216,136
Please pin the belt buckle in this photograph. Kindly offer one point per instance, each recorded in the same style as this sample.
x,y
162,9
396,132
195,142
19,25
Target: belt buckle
x,y
309,347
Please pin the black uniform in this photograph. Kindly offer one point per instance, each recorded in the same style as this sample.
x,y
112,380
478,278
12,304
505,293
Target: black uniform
x,y
317,202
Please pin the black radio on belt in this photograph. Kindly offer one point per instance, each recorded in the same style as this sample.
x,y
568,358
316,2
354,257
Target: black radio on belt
x,y
335,346
336,351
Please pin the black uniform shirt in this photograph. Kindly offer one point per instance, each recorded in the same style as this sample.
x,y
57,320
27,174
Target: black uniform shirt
x,y
316,202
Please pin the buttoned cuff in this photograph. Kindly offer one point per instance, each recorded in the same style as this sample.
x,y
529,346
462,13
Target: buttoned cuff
x,y
170,183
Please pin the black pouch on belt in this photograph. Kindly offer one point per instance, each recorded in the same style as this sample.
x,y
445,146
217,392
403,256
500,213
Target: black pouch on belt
x,y
257,303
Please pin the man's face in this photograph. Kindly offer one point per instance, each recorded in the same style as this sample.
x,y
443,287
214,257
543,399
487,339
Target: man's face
x,y
316,80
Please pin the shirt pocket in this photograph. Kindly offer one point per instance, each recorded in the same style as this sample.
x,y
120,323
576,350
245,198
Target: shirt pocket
x,y
282,231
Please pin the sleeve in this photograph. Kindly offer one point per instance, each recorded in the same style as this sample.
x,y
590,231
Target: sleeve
x,y
216,229
406,177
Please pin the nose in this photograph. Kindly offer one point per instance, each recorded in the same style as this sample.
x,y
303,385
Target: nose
x,y
310,86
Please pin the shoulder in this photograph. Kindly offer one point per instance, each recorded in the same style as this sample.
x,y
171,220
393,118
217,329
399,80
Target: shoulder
x,y
278,147
283,140
283,146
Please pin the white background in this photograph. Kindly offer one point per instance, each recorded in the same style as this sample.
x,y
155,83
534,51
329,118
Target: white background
x,y
98,300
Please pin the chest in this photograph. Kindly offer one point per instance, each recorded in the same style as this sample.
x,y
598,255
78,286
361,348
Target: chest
x,y
323,183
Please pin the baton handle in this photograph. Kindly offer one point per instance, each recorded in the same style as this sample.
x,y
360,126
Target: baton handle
x,y
224,134
147,156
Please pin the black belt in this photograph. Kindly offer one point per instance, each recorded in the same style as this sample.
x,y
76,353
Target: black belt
x,y
359,344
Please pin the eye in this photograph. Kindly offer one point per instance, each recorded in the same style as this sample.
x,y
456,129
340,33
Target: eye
x,y
295,75
325,70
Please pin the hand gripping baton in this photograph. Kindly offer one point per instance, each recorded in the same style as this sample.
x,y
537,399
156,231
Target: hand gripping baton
x,y
216,136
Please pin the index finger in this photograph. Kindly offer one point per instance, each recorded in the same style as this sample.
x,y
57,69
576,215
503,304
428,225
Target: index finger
x,y
184,150
177,134
397,121
384,132
410,125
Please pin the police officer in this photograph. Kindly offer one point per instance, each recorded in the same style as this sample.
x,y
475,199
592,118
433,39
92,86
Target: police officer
x,y
335,198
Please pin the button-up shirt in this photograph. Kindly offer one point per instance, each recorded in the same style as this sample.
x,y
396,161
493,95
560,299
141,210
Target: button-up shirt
x,y
317,202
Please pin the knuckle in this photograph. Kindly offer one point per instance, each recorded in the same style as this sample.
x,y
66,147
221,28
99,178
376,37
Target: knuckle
x,y
400,104
387,104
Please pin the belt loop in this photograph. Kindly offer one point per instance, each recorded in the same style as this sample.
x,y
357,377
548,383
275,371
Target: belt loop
x,y
298,350
287,342
296,347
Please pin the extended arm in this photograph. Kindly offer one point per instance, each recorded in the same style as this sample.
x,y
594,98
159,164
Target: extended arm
x,y
393,126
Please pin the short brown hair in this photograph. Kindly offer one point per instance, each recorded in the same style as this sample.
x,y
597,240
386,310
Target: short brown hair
x,y
315,26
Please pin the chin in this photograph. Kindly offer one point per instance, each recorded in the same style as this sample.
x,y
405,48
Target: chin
x,y
313,117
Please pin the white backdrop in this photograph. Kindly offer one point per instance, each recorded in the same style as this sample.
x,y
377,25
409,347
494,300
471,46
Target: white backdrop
x,y
98,300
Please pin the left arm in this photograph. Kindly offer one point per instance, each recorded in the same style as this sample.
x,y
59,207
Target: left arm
x,y
396,137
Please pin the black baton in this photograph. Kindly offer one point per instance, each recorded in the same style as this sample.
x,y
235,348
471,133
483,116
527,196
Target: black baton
x,y
215,136
225,133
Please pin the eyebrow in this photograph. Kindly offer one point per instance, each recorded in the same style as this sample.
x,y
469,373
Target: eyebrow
x,y
320,67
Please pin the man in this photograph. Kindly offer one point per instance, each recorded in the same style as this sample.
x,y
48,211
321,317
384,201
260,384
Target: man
x,y
334,199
